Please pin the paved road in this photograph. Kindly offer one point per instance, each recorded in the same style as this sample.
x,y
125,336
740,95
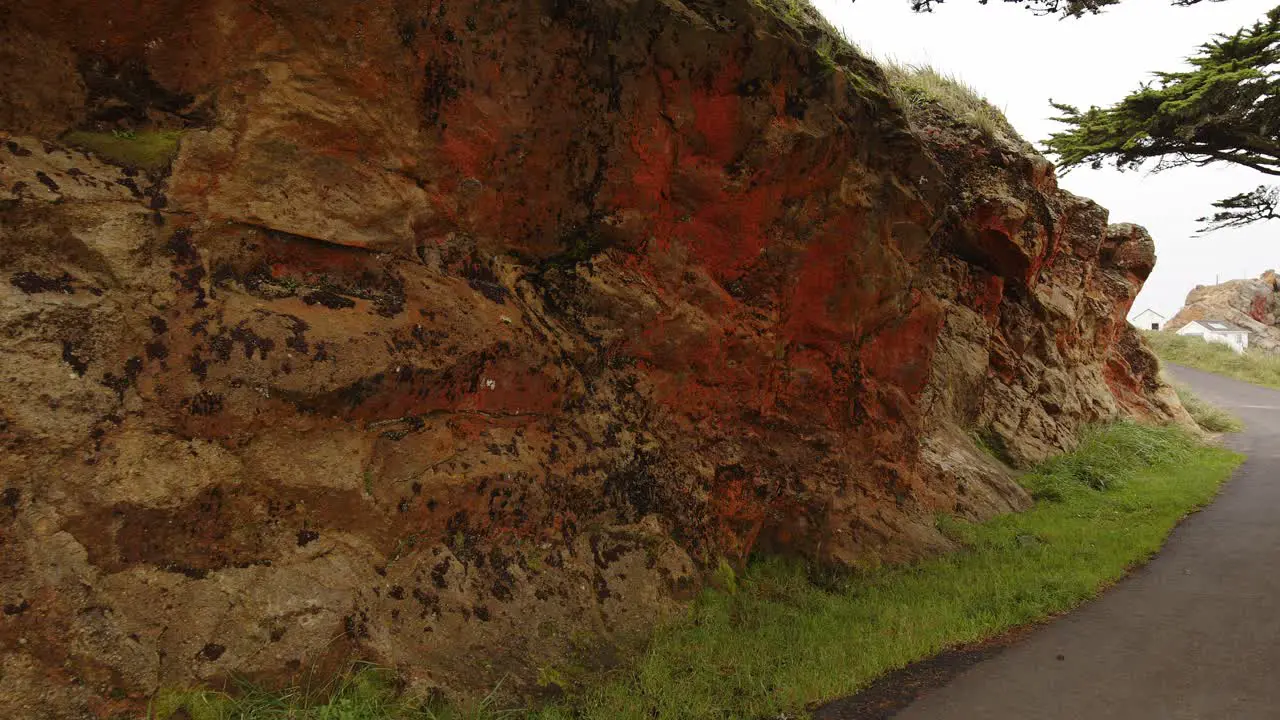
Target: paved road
x,y
1195,634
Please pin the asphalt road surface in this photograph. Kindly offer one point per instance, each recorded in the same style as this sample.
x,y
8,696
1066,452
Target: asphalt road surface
x,y
1194,634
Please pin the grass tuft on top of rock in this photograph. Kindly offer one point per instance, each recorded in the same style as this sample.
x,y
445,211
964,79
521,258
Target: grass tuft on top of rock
x,y
917,87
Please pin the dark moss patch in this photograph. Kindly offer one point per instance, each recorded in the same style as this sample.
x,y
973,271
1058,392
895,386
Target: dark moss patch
x,y
442,85
328,299
199,366
439,572
156,350
188,261
69,356
633,488
17,608
307,536
408,32
297,340
120,383
181,247
32,283
345,398
481,278
250,341
124,93
10,498
501,592
430,602
211,652
131,185
194,573
356,625
48,182
204,403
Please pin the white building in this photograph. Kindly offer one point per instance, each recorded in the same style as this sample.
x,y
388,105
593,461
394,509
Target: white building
x,y
1219,331
1147,320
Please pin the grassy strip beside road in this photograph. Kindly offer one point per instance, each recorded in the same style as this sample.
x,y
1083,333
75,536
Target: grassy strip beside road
x,y
1210,417
774,640
1253,366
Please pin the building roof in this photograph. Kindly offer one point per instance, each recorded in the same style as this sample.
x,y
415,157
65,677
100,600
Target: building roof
x,y
1220,326
1149,310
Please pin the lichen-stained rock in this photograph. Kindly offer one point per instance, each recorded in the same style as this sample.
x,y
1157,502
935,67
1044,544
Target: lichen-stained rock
x,y
464,337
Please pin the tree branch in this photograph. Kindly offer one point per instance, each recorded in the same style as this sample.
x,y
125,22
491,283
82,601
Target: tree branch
x,y
1224,109
1257,205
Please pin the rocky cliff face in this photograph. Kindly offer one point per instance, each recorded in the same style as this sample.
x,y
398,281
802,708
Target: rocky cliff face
x,y
1253,304
458,336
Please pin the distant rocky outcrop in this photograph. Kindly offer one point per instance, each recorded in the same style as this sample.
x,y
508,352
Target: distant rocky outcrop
x,y
1253,304
463,336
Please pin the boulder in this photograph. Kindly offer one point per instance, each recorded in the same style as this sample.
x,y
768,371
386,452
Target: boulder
x,y
1252,303
461,336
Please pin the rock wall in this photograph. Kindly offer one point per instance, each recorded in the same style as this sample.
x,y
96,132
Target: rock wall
x,y
1253,304
462,336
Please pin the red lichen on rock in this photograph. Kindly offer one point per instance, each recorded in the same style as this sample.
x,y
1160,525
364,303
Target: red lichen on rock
x,y
462,329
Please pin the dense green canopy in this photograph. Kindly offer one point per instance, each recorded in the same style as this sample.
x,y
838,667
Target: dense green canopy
x,y
1225,108
1050,7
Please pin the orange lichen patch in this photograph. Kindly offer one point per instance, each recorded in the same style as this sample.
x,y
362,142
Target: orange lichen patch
x,y
739,509
810,387
1258,308
468,149
716,114
999,236
900,355
835,292
1124,386
988,299
298,257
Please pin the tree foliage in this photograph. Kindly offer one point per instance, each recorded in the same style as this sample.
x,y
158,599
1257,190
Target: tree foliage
x,y
1224,109
1074,8
1261,203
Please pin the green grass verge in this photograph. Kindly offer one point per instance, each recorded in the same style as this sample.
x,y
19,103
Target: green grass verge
x,y
146,150
1207,416
1253,366
775,640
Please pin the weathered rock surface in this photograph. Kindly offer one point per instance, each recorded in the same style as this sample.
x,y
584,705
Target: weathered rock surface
x,y
462,336
1253,304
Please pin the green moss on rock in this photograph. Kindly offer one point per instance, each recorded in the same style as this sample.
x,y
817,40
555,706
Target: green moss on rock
x,y
145,150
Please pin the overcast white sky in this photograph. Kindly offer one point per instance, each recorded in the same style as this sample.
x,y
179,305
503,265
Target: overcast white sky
x,y
1020,60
